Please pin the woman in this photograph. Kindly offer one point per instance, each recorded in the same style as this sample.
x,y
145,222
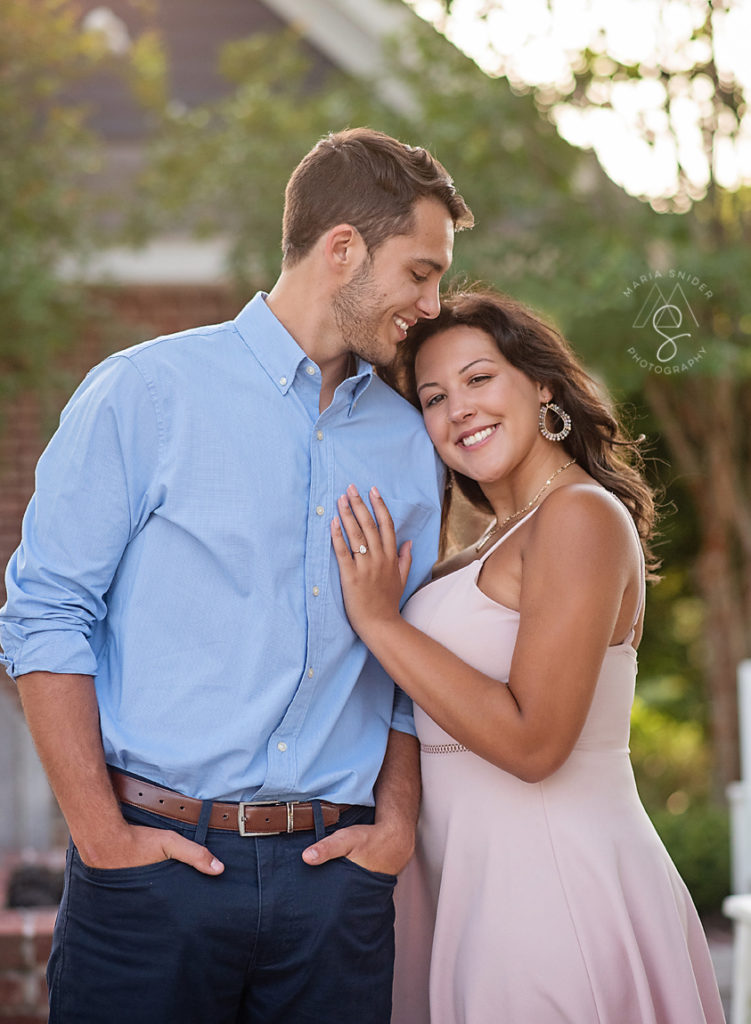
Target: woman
x,y
539,893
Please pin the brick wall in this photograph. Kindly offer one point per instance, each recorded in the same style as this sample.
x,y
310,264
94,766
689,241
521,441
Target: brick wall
x,y
25,941
139,313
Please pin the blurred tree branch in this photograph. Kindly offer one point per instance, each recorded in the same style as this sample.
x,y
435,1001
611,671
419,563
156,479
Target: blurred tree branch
x,y
705,413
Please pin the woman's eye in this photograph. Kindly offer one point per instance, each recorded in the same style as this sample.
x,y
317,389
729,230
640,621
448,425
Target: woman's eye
x,y
434,400
479,378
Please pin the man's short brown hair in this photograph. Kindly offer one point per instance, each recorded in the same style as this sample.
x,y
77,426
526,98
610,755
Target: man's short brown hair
x,y
369,180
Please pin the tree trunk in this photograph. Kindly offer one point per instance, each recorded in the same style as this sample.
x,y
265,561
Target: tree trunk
x,y
707,432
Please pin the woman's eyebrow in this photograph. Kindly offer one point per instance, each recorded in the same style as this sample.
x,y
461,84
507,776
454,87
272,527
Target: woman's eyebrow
x,y
433,384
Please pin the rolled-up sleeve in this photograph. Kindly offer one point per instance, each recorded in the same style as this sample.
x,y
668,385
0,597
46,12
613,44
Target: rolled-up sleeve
x,y
94,491
402,716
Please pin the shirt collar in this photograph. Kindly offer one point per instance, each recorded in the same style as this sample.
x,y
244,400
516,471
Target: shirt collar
x,y
278,352
271,343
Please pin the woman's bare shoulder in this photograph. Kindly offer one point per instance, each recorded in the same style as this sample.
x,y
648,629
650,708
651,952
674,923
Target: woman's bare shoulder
x,y
594,523
583,505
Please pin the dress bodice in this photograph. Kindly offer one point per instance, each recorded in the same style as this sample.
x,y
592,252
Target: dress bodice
x,y
453,610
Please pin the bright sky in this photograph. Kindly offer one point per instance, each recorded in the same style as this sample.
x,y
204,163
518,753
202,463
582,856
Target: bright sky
x,y
535,45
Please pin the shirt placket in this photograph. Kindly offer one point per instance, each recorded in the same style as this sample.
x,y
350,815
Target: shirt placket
x,y
283,743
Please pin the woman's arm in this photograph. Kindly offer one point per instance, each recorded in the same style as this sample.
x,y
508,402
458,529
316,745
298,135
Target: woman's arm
x,y
579,562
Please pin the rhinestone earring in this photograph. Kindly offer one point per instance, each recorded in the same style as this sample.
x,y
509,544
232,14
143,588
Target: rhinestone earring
x,y
564,418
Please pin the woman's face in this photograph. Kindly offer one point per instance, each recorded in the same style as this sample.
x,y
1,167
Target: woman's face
x,y
480,411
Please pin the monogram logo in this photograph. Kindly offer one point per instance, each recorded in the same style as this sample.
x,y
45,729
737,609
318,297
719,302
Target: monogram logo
x,y
670,325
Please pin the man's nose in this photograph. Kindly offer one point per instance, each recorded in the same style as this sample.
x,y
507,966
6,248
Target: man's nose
x,y
429,302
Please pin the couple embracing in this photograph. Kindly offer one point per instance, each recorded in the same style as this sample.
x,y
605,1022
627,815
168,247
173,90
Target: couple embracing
x,y
238,663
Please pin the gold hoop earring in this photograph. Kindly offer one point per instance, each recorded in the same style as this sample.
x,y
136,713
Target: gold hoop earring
x,y
562,415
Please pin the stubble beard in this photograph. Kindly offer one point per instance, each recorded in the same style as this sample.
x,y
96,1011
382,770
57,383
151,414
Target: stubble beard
x,y
358,314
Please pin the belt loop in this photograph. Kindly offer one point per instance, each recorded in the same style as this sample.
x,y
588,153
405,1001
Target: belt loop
x,y
318,819
203,822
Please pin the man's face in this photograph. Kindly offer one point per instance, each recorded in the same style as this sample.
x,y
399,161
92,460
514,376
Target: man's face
x,y
389,292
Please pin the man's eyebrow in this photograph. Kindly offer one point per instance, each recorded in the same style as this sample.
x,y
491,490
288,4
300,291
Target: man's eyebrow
x,y
433,264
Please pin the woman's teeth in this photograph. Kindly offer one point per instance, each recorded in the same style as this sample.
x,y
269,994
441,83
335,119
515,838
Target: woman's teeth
x,y
476,438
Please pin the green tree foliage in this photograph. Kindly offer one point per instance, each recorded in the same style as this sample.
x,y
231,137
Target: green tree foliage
x,y
222,166
599,273
47,153
671,764
48,205
699,843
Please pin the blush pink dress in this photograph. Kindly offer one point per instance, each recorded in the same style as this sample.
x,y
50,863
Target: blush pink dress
x,y
540,903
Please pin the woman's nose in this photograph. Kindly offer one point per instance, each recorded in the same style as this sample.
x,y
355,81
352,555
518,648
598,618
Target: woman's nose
x,y
459,409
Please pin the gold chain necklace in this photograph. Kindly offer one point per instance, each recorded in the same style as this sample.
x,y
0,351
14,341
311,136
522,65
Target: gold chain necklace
x,y
494,528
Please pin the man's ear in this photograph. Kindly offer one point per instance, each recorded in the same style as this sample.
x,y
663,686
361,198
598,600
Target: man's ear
x,y
343,248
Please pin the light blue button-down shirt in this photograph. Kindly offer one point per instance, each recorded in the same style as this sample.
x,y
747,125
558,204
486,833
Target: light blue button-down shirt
x,y
177,548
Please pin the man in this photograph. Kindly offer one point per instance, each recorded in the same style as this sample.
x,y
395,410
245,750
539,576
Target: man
x,y
215,734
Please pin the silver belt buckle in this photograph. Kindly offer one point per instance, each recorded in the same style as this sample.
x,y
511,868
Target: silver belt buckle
x,y
290,805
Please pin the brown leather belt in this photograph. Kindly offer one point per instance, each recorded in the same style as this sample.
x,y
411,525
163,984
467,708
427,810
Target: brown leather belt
x,y
249,819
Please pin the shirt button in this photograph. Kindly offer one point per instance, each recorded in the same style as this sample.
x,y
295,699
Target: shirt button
x,y
281,746
310,369
319,510
319,435
310,673
282,381
316,591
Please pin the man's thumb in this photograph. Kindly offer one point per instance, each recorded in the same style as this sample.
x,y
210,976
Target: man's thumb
x,y
193,854
330,848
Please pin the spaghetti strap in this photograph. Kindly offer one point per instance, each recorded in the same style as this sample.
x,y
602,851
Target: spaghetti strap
x,y
642,563
515,527
643,591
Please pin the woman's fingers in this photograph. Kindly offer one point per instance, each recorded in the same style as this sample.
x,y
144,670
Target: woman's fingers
x,y
350,526
358,522
361,529
385,523
361,512
339,544
372,573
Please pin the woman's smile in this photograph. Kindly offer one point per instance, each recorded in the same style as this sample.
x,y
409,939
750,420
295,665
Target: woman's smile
x,y
478,437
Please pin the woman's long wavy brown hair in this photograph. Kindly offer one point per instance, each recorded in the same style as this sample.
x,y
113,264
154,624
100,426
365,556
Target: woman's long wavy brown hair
x,y
597,440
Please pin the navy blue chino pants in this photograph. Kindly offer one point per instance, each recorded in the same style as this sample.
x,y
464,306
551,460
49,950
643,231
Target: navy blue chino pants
x,y
271,939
